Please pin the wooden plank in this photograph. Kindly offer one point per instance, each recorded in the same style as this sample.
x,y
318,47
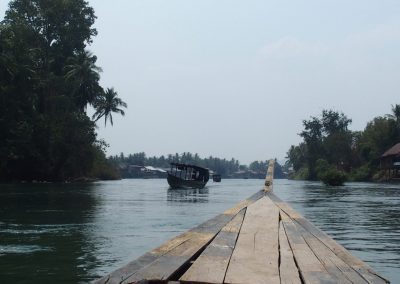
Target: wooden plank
x,y
256,256
212,226
269,178
289,273
124,272
355,263
177,255
311,269
243,204
211,265
332,263
165,266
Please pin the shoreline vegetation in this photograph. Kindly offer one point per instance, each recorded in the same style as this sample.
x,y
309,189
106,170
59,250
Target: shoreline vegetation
x,y
49,78
130,166
332,153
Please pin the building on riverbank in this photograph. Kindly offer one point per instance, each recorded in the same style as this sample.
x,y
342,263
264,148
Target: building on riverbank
x,y
390,162
138,171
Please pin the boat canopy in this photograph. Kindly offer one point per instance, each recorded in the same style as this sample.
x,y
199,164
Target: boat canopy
x,y
185,166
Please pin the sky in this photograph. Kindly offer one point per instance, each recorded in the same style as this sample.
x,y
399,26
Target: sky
x,y
236,79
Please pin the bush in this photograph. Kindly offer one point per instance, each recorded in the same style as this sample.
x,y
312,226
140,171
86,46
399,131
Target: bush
x,y
102,169
302,174
321,167
333,177
380,176
362,173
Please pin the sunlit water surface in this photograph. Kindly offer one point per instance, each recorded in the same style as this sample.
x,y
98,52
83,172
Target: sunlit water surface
x,y
55,233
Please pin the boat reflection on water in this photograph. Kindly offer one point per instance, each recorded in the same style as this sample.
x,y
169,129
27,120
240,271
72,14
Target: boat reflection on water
x,y
188,195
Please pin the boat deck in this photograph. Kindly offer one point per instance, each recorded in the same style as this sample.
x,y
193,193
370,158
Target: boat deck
x,y
260,240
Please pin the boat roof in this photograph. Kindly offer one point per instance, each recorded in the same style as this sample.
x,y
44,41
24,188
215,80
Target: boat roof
x,y
189,166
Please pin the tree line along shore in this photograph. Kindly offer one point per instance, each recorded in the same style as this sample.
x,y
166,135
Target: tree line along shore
x,y
49,78
332,153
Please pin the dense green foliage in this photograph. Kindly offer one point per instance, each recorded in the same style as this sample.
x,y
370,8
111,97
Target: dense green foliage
x,y
48,78
332,153
222,166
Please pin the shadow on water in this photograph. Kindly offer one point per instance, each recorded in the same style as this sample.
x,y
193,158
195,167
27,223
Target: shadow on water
x,y
43,225
188,195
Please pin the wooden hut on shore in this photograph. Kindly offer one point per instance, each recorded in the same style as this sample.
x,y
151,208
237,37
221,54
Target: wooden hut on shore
x,y
390,162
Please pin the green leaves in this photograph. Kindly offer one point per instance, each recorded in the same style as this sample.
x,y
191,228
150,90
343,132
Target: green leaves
x,y
107,104
82,77
329,150
48,79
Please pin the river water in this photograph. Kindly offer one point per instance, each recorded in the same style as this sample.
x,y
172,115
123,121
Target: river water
x,y
75,233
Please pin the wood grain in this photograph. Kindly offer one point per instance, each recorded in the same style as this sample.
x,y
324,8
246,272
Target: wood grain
x,y
289,273
364,270
255,257
211,265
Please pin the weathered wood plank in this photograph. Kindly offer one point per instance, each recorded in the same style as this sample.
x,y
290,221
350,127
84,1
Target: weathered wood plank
x,y
174,256
311,269
213,226
125,272
332,263
243,204
211,265
255,257
289,273
355,263
122,273
171,262
173,246
269,178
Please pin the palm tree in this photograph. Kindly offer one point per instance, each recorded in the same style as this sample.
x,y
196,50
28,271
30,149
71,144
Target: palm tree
x,y
395,117
396,113
106,104
83,73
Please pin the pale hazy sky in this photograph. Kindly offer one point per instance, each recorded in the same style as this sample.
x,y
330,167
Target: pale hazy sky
x,y
236,78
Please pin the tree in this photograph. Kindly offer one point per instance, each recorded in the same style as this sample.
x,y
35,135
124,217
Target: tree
x,y
107,104
297,156
47,79
334,122
378,136
341,152
312,135
83,75
395,115
326,137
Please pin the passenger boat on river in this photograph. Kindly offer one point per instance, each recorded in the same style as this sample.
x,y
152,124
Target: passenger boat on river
x,y
187,176
216,177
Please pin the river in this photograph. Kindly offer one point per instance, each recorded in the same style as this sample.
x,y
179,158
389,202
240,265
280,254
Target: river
x,y
75,233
